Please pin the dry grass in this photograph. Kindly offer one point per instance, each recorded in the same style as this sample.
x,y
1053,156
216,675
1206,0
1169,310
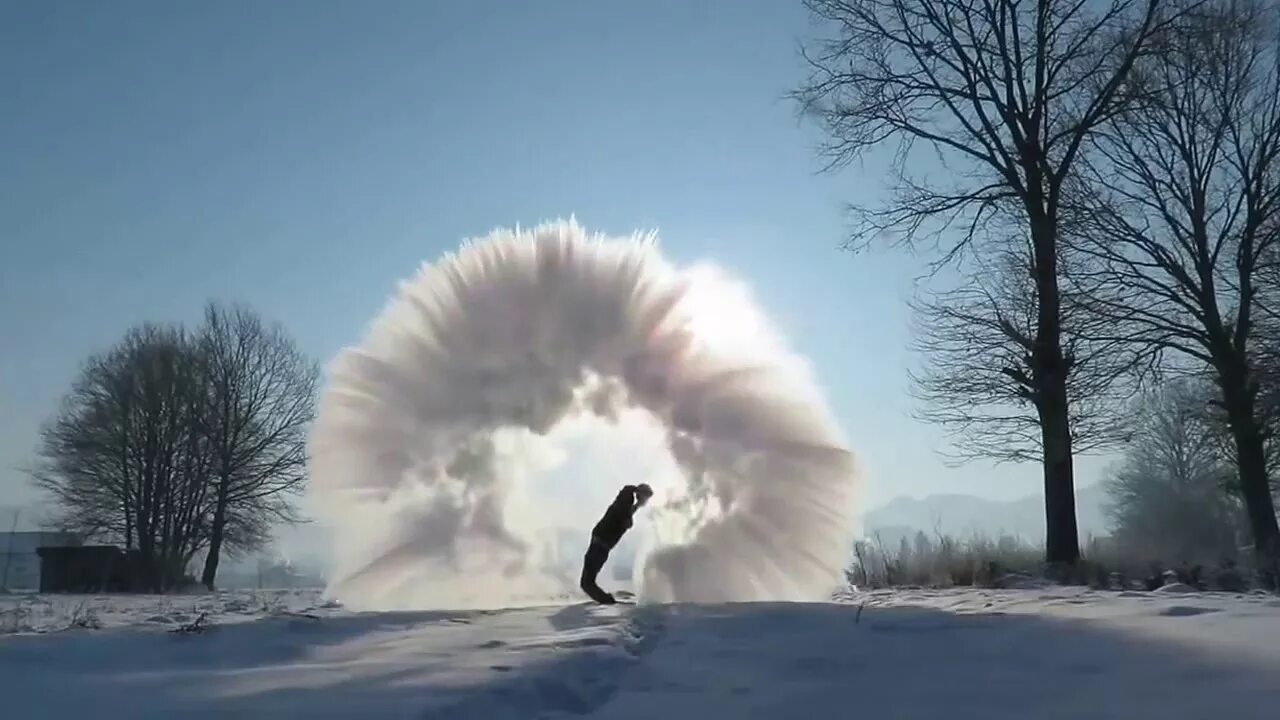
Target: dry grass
x,y
940,561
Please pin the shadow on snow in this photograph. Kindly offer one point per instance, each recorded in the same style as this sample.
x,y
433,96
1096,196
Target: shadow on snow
x,y
750,660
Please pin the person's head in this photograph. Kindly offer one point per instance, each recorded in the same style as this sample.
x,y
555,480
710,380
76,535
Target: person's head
x,y
643,493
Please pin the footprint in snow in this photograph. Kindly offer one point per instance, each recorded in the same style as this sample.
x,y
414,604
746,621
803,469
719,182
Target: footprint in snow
x,y
1186,611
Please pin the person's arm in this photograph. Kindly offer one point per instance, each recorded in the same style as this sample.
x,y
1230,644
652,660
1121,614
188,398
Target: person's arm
x,y
626,500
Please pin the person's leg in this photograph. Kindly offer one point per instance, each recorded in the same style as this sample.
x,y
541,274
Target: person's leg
x,y
592,563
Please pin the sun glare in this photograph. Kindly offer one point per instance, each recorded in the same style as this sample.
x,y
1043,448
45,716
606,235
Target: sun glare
x,y
720,312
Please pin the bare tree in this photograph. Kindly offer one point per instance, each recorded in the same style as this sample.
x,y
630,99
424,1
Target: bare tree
x,y
175,444
1264,350
1004,93
1168,495
1187,191
120,458
260,400
976,340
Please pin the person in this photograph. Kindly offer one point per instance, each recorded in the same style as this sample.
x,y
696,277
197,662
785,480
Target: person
x,y
606,534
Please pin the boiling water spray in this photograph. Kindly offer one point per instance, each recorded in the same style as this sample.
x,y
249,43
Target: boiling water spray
x,y
464,448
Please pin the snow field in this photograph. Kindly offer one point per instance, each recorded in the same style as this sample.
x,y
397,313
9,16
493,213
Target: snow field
x,y
1038,653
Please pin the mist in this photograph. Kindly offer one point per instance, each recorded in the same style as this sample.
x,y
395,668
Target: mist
x,y
465,447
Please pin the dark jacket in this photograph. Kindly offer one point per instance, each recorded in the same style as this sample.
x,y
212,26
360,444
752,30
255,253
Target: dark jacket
x,y
617,519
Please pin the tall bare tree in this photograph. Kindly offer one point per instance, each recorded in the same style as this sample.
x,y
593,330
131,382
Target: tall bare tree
x,y
1186,187
1004,93
976,341
121,458
259,403
1264,351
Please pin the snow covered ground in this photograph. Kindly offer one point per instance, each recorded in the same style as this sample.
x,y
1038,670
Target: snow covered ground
x,y
1050,653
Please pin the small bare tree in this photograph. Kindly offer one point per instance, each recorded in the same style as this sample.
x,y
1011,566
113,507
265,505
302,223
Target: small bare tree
x,y
175,443
1004,93
1168,496
1185,215
121,459
259,403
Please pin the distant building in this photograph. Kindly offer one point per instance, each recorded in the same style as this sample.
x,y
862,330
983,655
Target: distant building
x,y
90,569
20,560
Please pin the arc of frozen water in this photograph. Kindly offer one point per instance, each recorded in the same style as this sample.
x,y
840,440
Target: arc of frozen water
x,y
415,452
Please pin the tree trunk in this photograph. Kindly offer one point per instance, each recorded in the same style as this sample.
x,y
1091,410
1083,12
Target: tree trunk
x,y
149,572
1062,541
1051,369
216,532
1255,486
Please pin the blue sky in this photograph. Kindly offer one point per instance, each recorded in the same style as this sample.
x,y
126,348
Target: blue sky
x,y
304,156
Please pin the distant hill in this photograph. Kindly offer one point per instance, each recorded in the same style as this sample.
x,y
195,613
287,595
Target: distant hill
x,y
963,515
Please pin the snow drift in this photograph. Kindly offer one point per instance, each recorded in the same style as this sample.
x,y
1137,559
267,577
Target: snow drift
x,y
440,450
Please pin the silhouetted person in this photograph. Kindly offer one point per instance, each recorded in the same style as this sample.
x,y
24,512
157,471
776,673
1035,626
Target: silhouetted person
x,y
606,534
